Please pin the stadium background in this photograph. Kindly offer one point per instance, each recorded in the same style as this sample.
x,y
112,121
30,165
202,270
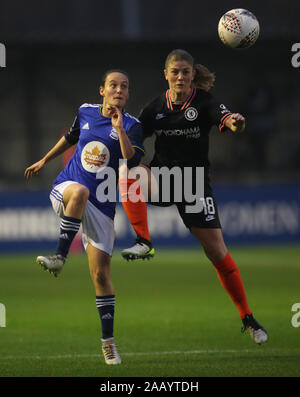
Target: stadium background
x,y
56,53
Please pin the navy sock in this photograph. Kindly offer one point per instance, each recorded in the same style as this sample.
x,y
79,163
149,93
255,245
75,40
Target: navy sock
x,y
106,309
68,229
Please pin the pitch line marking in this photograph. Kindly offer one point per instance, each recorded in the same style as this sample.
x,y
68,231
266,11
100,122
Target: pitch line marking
x,y
70,356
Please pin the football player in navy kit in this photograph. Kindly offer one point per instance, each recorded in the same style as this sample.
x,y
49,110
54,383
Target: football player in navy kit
x,y
181,119
104,134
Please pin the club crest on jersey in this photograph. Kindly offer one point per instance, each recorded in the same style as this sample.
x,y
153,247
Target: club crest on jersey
x,y
114,134
191,114
94,156
224,108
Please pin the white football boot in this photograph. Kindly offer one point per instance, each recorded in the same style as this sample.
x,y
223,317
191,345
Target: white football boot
x,y
110,352
142,249
256,331
53,264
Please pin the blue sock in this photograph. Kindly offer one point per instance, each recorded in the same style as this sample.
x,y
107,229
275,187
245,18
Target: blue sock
x,y
68,229
106,309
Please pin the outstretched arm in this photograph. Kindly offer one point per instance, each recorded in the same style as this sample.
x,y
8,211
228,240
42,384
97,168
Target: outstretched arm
x,y
61,146
236,122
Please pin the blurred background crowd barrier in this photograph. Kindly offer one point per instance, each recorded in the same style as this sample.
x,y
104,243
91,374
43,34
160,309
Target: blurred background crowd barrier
x,y
56,54
249,215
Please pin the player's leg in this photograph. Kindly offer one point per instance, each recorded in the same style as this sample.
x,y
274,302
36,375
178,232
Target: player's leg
x,y
136,211
69,201
206,227
74,198
99,264
98,239
229,275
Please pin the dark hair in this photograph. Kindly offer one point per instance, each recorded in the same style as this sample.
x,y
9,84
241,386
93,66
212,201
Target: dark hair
x,y
203,79
108,72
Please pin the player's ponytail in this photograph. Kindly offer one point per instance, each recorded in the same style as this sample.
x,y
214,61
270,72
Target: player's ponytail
x,y
204,78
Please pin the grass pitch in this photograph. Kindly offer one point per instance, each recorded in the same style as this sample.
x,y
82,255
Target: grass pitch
x,y
172,317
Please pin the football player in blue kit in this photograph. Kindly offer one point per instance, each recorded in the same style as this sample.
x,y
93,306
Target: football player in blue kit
x,y
104,134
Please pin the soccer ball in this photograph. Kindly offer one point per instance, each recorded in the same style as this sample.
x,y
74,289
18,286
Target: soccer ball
x,y
238,28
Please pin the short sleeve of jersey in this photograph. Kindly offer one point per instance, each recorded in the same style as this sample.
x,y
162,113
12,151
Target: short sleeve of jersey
x,y
146,117
135,135
218,113
72,136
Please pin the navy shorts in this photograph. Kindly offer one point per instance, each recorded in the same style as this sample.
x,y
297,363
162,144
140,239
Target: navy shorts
x,y
207,218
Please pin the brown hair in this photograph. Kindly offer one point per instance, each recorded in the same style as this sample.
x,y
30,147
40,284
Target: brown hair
x,y
108,72
203,79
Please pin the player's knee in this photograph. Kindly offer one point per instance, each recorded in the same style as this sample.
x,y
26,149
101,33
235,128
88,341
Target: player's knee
x,y
80,195
101,278
215,253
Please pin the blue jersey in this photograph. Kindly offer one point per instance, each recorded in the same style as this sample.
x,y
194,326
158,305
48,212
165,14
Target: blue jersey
x,y
98,147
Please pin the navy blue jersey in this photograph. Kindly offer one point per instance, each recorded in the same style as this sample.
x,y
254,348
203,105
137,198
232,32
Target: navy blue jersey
x,y
98,147
182,131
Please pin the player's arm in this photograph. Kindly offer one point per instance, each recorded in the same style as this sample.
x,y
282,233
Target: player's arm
x,y
61,146
69,139
221,116
236,122
127,149
135,136
117,122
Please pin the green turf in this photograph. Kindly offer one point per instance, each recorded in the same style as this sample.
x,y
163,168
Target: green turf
x,y
172,318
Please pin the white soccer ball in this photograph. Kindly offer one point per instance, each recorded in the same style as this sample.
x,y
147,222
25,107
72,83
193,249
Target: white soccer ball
x,y
238,28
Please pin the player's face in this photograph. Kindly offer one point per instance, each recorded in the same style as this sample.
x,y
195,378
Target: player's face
x,y
179,75
116,90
